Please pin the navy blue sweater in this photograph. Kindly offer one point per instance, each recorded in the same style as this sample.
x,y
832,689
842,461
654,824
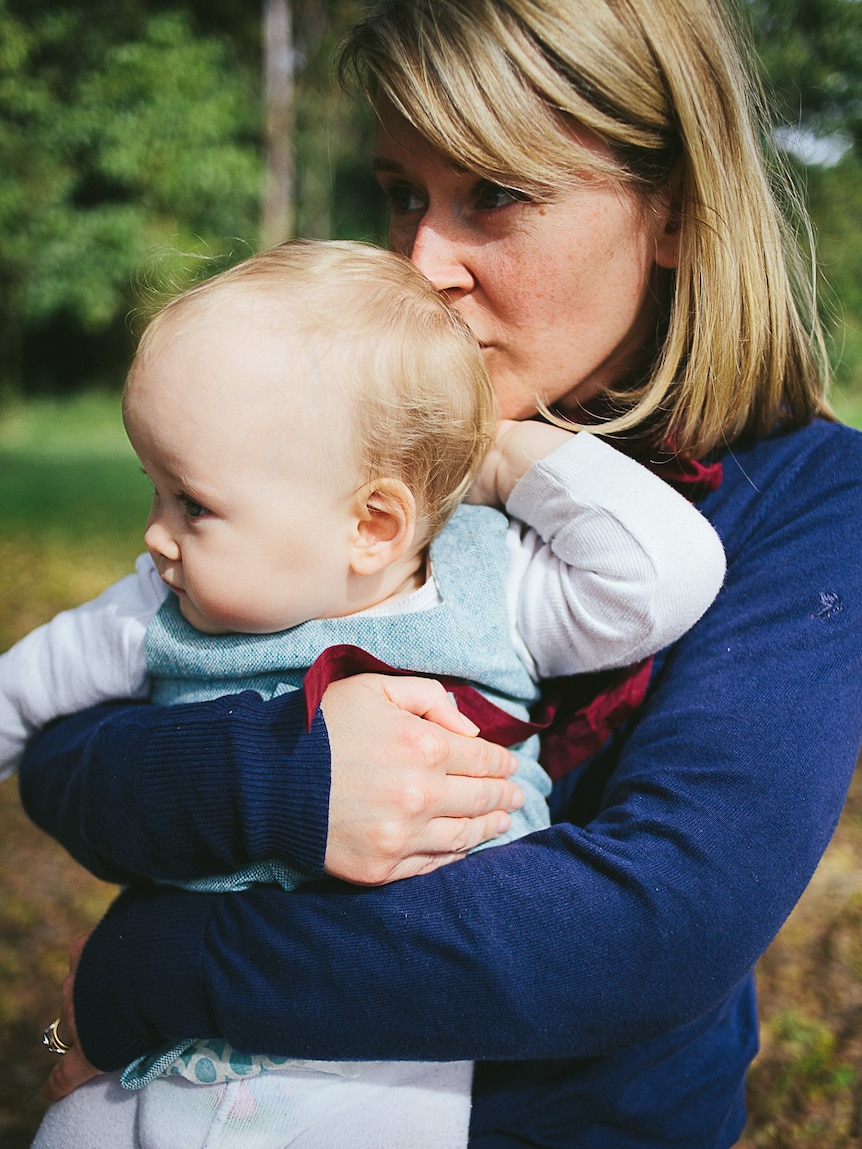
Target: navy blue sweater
x,y
600,970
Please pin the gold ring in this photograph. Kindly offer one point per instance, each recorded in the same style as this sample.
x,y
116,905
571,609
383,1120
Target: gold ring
x,y
52,1039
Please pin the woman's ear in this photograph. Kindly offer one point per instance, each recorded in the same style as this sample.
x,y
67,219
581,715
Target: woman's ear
x,y
667,209
385,525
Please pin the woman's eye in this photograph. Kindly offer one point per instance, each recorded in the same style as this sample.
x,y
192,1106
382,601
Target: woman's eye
x,y
490,196
401,199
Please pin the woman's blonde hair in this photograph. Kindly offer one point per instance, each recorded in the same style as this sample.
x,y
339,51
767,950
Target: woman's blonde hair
x,y
379,349
671,88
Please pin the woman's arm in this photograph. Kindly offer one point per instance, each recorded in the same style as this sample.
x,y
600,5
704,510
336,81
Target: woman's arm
x,y
578,940
183,818
216,785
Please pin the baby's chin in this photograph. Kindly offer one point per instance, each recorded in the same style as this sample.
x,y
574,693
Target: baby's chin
x,y
229,624
198,619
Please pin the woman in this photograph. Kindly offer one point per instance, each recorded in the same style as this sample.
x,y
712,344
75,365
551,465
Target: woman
x,y
584,180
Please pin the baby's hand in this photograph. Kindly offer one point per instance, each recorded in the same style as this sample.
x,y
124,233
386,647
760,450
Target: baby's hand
x,y
516,448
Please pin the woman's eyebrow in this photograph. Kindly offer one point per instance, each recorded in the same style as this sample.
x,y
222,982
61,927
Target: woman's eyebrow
x,y
381,164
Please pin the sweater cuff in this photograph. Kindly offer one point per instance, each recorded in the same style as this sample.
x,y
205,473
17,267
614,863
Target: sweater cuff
x,y
123,971
265,779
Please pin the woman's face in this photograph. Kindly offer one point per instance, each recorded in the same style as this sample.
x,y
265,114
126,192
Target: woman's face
x,y
561,296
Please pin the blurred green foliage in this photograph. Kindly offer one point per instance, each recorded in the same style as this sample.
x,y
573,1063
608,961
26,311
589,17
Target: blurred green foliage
x,y
131,140
131,144
118,136
835,195
812,55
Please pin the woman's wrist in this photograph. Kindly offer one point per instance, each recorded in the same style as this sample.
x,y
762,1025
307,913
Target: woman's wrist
x,y
261,775
211,785
147,938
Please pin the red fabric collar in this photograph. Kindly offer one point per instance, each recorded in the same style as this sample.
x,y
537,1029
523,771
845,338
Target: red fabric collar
x,y
576,715
337,662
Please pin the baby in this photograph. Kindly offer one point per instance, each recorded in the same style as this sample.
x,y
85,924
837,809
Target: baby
x,y
311,421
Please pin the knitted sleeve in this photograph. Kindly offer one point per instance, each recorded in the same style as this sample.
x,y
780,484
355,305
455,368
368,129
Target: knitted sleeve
x,y
264,791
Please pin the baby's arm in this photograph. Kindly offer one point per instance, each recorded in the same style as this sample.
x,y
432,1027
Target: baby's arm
x,y
516,447
610,564
81,657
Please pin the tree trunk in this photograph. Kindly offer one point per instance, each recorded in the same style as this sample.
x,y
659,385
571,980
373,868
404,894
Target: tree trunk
x,y
279,64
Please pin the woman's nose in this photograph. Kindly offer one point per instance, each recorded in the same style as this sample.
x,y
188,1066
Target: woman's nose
x,y
442,259
160,541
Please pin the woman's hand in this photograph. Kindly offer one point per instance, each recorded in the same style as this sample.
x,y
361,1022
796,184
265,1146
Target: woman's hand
x,y
72,1069
517,446
412,786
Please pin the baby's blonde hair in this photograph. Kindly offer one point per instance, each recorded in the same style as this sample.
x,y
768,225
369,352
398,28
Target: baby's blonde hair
x,y
668,85
410,382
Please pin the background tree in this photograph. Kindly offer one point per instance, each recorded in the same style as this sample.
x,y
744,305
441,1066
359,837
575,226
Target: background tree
x,y
279,84
812,54
123,131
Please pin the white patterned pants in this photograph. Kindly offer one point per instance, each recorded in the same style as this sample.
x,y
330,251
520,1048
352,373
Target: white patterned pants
x,y
391,1105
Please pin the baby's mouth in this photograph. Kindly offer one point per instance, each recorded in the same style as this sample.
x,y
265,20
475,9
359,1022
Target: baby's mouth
x,y
177,590
168,574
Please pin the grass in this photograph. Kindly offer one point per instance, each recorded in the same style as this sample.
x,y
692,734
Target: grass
x,y
73,506
67,472
805,1089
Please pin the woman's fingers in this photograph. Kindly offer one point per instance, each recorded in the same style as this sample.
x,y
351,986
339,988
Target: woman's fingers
x,y
412,787
426,698
72,1069
449,840
472,799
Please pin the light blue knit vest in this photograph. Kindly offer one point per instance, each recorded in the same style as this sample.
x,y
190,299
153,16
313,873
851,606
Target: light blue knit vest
x,y
467,635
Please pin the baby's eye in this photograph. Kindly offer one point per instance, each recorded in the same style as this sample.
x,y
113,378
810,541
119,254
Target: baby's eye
x,y
192,508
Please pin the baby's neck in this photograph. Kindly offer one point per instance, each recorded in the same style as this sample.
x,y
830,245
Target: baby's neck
x,y
398,581
411,582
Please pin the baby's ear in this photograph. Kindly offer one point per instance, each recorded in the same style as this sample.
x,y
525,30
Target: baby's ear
x,y
385,525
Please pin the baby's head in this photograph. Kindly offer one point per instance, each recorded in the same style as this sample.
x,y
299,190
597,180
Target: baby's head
x,y
309,418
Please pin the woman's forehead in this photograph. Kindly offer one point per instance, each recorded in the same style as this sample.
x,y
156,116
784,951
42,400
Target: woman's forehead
x,y
400,146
